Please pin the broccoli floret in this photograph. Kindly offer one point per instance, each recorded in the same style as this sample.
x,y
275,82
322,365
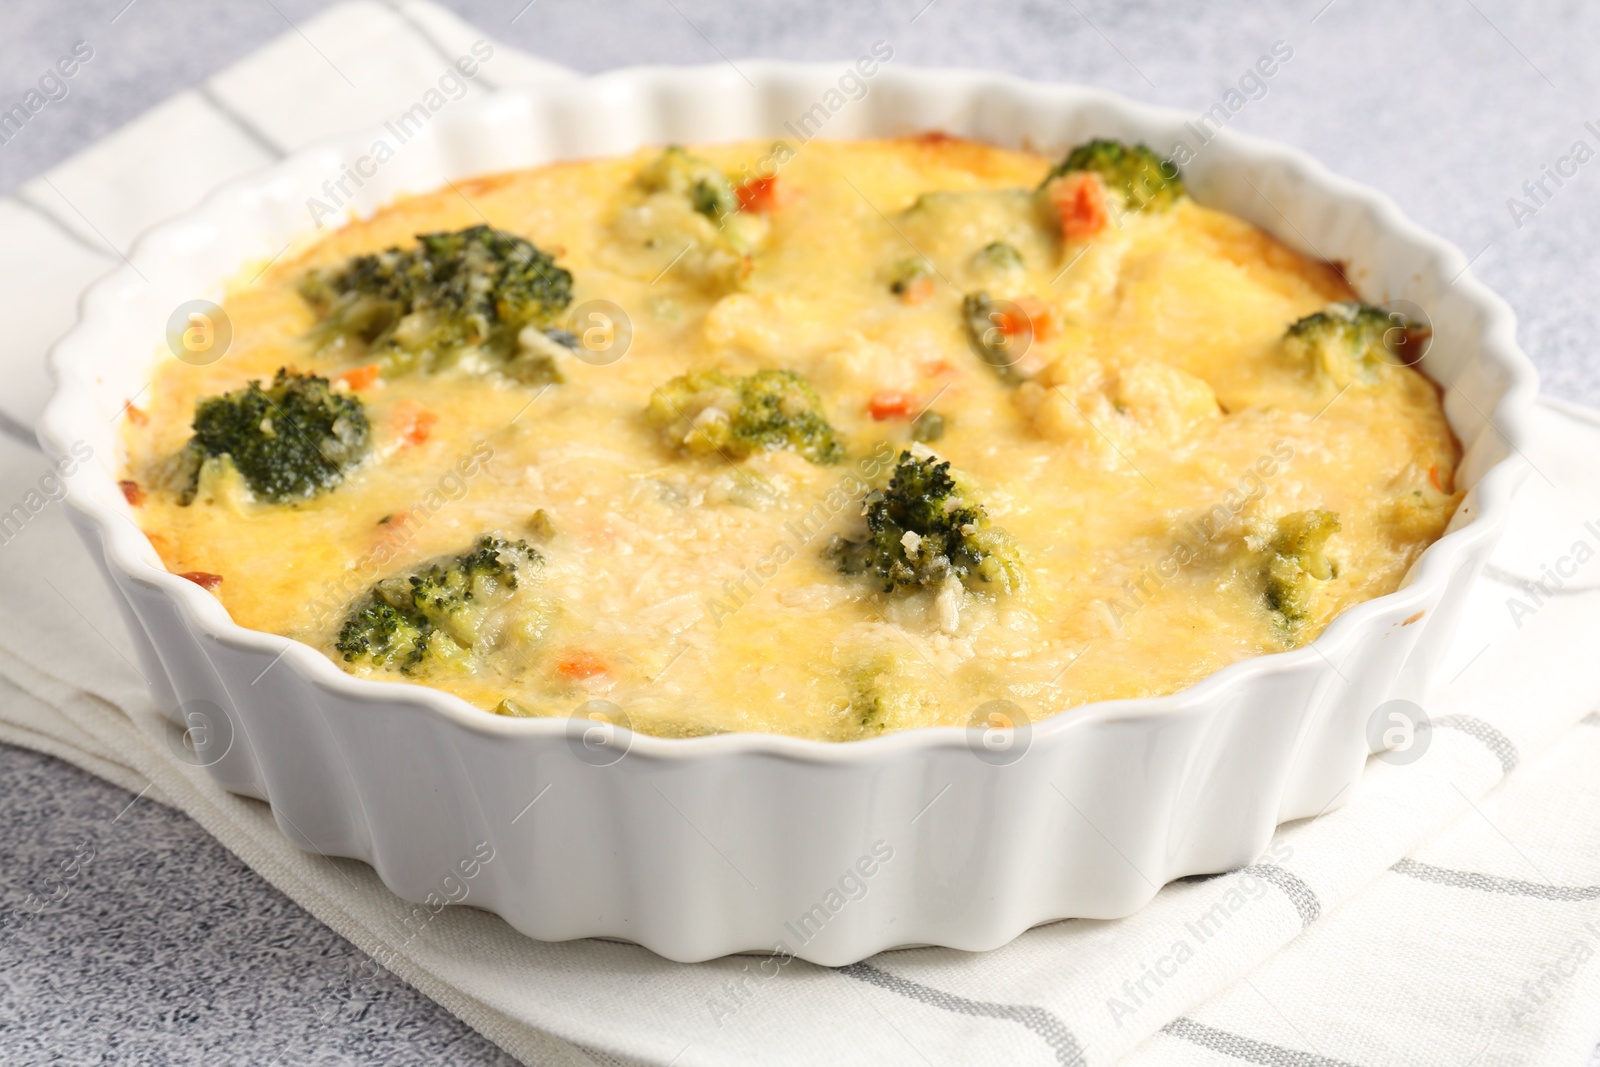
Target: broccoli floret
x,y
708,189
540,525
889,691
439,613
289,441
384,635
454,294
874,707
709,412
998,260
1136,175
928,427
925,526
681,218
1297,560
1349,342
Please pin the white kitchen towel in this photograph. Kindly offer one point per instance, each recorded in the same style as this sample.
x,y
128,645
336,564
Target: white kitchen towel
x,y
1492,928
1437,917
1447,911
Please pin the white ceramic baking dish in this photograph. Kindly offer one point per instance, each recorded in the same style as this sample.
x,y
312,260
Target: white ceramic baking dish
x,y
701,847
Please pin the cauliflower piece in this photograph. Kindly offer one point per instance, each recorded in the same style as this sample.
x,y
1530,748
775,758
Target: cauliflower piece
x,y
1162,399
860,368
1421,508
773,327
1140,405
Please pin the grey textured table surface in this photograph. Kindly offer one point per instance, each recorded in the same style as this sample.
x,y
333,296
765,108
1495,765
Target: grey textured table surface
x,y
172,951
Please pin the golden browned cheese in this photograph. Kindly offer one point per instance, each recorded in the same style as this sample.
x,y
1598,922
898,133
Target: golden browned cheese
x,y
1161,432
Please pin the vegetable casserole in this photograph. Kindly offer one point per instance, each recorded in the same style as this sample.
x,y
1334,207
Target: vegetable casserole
x,y
827,441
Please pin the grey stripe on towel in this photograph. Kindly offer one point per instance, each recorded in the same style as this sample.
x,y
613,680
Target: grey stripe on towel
x,y
1532,588
253,133
1497,742
1299,894
422,32
1055,1033
107,249
1493,883
1246,1048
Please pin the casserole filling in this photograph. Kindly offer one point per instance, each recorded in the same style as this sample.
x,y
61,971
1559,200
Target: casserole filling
x,y
826,441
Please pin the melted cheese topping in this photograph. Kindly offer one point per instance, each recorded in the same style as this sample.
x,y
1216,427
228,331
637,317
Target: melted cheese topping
x,y
1161,425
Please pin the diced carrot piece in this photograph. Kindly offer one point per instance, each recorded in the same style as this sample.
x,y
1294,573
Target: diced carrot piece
x,y
1013,321
359,377
1041,316
135,416
413,422
937,368
1080,200
917,290
758,194
1433,476
421,427
394,528
131,492
580,664
888,405
204,579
